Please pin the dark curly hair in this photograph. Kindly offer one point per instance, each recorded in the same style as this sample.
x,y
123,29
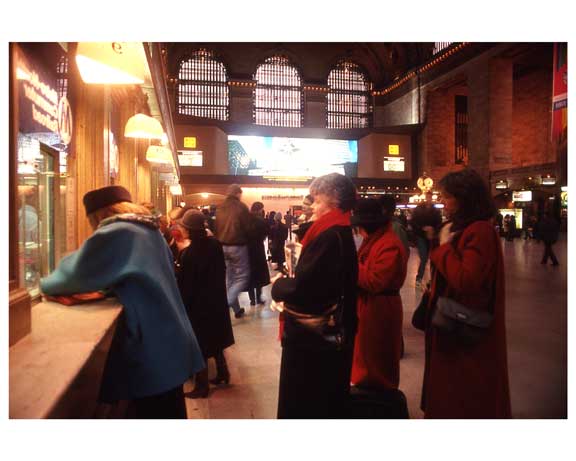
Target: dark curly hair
x,y
475,202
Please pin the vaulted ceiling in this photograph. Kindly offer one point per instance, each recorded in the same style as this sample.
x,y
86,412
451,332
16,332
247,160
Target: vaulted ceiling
x,y
381,61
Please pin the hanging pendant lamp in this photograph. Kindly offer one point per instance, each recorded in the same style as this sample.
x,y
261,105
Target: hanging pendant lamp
x,y
144,127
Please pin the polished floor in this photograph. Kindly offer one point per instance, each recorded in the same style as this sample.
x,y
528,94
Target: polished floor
x,y
536,298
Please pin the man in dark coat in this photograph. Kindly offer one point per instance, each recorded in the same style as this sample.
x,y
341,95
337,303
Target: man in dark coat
x,y
233,230
424,215
259,273
548,229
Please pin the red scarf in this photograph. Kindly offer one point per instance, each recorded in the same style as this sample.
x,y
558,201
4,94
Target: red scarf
x,y
336,217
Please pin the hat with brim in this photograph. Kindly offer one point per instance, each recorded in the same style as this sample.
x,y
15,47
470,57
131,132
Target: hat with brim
x,y
192,220
105,196
368,211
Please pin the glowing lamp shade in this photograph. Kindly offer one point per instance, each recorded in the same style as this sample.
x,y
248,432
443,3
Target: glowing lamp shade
x,y
143,126
120,63
159,154
176,189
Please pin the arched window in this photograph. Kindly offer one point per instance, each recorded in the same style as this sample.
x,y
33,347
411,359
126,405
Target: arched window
x,y
278,93
202,86
348,97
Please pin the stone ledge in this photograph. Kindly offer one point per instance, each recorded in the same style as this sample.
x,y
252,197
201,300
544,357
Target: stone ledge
x,y
45,363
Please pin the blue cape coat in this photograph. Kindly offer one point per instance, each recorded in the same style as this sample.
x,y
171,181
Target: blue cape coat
x,y
154,348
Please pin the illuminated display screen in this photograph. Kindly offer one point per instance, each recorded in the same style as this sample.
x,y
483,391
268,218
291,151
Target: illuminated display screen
x,y
190,157
393,164
291,157
522,196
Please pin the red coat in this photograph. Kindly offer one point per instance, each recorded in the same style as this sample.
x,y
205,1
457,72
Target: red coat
x,y
469,381
381,267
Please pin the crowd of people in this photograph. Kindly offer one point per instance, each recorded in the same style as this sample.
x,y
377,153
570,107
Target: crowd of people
x,y
341,312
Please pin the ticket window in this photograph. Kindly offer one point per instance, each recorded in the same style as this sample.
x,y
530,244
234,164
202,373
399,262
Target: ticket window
x,y
38,184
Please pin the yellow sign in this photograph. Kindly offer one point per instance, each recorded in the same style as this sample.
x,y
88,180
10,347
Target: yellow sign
x,y
393,149
190,142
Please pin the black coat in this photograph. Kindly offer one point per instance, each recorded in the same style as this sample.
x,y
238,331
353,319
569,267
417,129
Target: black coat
x,y
278,236
314,383
259,273
202,283
548,229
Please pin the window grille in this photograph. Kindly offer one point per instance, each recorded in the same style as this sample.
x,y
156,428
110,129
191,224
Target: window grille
x,y
203,87
439,46
62,77
461,129
348,97
278,94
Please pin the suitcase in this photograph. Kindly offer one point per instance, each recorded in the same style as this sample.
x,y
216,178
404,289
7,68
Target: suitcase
x,y
370,404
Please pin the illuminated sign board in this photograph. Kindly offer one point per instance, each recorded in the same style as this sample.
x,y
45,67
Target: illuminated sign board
x,y
522,196
41,110
393,149
394,164
190,157
190,142
291,159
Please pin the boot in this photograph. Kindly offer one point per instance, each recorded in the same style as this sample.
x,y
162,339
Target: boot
x,y
222,373
201,386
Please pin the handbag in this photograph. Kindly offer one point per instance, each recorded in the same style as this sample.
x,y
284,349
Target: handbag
x,y
325,331
419,315
466,324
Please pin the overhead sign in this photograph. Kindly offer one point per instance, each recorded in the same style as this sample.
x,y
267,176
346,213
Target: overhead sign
x,y
41,109
190,142
393,149
190,157
522,196
394,164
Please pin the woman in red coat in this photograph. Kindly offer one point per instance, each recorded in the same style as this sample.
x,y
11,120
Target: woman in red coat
x,y
464,380
381,272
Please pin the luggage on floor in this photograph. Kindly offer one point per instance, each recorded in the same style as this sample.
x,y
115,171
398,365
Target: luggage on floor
x,y
370,404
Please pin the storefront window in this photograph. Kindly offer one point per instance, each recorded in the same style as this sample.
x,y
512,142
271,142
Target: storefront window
x,y
44,131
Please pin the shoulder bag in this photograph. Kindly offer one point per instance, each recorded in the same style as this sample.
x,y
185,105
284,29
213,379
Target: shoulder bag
x,y
325,331
466,324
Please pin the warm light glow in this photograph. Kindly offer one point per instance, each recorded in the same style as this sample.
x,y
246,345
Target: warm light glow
x,y
143,126
21,74
564,188
112,63
164,139
205,195
176,189
159,154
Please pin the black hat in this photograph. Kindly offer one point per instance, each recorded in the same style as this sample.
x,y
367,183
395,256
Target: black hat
x,y
192,220
368,211
105,196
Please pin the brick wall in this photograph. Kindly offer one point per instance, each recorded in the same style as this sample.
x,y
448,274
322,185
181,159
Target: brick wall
x,y
531,119
437,142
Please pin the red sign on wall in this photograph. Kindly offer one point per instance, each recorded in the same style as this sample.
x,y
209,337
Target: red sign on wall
x,y
560,92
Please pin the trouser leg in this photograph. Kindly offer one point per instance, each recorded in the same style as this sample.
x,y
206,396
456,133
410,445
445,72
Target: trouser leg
x,y
422,246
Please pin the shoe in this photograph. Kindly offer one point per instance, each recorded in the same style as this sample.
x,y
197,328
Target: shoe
x,y
252,303
201,386
261,301
240,313
222,373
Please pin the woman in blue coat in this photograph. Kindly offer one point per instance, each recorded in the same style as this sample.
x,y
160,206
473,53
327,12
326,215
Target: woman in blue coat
x,y
154,350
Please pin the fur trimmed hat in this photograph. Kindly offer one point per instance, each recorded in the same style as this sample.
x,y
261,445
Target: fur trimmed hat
x,y
105,196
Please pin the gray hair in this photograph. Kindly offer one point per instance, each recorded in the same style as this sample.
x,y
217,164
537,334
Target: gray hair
x,y
337,187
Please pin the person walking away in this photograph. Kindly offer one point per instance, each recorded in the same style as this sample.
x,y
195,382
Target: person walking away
x,y
465,378
382,263
154,349
232,230
315,373
278,236
388,204
202,283
259,272
511,228
548,230
424,215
